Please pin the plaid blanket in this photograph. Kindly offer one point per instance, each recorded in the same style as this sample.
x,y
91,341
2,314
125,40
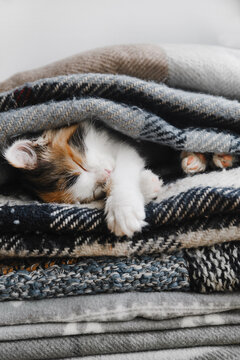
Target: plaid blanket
x,y
145,304
199,212
190,213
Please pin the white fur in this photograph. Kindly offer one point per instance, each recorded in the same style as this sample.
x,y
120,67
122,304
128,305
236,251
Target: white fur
x,y
150,185
125,206
21,155
224,178
108,159
100,161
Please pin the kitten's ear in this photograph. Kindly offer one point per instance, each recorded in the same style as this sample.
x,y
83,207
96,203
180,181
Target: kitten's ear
x,y
22,154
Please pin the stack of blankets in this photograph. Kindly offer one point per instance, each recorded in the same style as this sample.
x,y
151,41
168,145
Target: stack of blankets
x,y
69,288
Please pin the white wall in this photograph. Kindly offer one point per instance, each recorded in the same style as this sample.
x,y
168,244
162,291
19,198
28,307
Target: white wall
x,y
36,32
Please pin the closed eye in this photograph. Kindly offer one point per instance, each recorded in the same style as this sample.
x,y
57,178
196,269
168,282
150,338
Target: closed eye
x,y
70,180
80,165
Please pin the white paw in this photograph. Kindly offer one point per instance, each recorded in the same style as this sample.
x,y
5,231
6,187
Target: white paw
x,y
193,162
223,161
125,214
150,185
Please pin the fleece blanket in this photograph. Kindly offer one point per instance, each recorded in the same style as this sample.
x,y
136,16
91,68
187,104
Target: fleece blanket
x,y
163,324
197,211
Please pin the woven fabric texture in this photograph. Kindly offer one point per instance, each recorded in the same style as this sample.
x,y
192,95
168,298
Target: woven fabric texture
x,y
190,245
208,69
200,215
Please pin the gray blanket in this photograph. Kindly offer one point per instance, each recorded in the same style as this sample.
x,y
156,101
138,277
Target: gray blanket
x,y
124,323
85,345
194,353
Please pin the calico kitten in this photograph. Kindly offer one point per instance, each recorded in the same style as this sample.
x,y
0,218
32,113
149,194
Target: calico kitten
x,y
85,162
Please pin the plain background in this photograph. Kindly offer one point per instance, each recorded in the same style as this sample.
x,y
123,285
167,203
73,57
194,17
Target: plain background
x,y
36,32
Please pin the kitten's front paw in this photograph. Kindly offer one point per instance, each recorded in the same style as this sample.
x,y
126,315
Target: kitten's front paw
x,y
125,214
150,185
193,163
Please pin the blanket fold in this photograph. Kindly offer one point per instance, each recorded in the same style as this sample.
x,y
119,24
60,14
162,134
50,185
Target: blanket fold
x,y
196,215
194,223
135,298
205,270
207,69
193,353
110,324
85,345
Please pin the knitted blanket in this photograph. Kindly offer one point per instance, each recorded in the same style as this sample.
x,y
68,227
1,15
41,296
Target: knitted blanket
x,y
203,270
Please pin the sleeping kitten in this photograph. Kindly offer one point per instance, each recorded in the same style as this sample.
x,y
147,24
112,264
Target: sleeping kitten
x,y
86,162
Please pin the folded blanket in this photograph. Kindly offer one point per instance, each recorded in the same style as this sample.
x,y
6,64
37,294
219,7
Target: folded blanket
x,y
202,210
92,276
103,308
208,69
85,345
203,270
193,353
58,329
140,321
111,324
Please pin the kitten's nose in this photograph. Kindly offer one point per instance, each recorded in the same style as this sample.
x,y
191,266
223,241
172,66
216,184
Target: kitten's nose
x,y
104,175
108,172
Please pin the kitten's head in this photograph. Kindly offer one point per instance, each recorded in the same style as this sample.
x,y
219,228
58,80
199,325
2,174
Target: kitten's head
x,y
63,166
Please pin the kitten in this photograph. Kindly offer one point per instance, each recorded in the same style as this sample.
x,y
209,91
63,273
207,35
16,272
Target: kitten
x,y
86,162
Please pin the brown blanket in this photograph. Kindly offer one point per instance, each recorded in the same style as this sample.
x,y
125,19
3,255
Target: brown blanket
x,y
207,69
147,62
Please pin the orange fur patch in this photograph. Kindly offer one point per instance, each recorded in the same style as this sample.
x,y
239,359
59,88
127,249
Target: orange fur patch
x,y
57,197
66,159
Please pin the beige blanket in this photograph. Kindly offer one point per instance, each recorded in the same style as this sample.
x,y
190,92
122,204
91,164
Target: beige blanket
x,y
208,69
